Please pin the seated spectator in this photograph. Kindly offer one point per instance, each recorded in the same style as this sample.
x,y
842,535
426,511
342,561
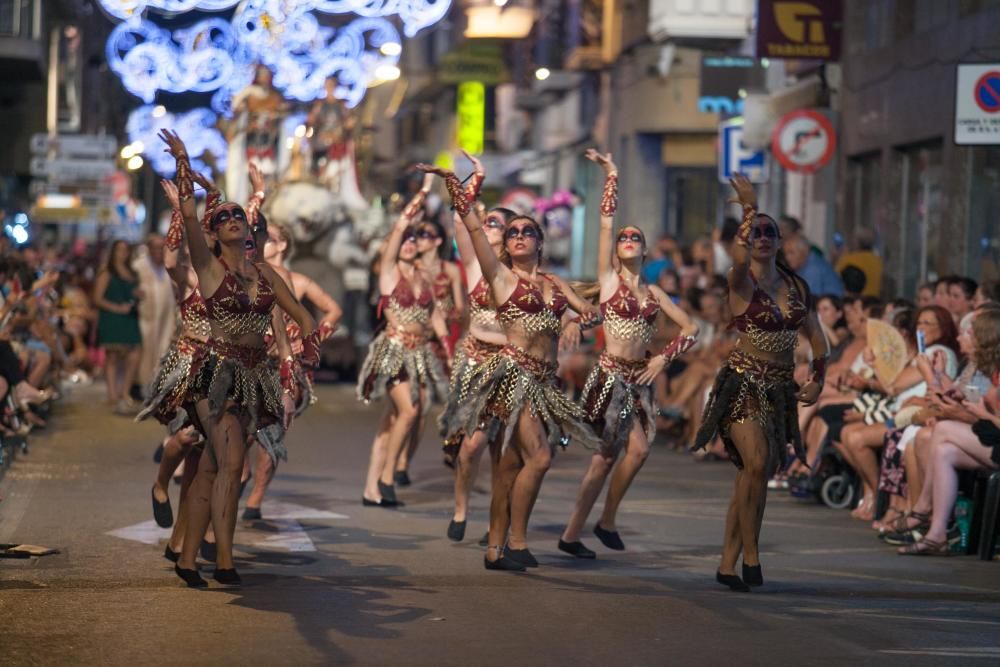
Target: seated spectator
x,y
987,292
961,296
815,270
830,310
925,295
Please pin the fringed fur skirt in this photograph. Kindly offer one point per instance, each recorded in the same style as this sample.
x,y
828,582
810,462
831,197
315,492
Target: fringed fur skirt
x,y
399,356
613,402
222,372
511,381
470,361
168,392
748,388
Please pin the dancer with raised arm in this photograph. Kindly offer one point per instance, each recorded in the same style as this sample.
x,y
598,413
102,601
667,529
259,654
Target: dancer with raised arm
x,y
485,338
275,246
449,301
401,361
753,403
518,404
618,393
234,392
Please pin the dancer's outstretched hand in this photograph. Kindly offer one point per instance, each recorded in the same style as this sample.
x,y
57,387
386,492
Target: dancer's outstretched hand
x,y
170,190
433,169
175,146
602,159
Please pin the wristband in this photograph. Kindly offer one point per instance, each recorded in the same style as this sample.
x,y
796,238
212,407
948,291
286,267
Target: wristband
x,y
743,233
475,185
589,320
175,234
185,186
310,349
609,198
286,371
459,199
677,347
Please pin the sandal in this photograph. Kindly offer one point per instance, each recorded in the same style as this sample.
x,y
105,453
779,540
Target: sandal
x,y
926,547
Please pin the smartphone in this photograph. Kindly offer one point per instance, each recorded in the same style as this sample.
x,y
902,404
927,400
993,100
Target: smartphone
x,y
972,393
921,343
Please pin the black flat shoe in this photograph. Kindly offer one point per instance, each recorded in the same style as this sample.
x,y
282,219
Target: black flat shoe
x,y
456,531
503,563
521,556
388,493
731,580
380,503
402,477
753,575
161,511
484,541
227,577
171,555
158,454
190,577
208,551
251,514
576,549
609,538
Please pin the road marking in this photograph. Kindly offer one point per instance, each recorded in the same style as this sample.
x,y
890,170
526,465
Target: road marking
x,y
957,652
892,580
903,617
290,535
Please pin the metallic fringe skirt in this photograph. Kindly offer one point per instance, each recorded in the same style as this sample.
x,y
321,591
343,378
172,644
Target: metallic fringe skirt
x,y
470,360
398,356
512,381
168,391
748,388
613,401
221,372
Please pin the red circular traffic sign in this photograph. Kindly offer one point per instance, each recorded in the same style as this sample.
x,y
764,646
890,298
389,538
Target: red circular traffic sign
x,y
987,92
803,141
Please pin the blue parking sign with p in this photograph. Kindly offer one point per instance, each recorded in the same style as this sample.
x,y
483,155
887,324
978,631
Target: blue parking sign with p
x,y
735,158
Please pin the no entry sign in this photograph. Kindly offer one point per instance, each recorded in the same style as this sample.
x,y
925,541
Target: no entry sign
x,y
977,104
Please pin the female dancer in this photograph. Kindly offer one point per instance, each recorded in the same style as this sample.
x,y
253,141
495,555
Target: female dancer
x,y
521,375
449,301
276,247
485,338
401,361
617,396
233,390
753,401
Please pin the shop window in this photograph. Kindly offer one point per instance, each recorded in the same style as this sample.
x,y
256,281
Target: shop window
x,y
692,201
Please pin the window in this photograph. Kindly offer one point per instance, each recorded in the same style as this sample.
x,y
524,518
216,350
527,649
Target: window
x,y
876,24
864,176
983,242
930,14
921,208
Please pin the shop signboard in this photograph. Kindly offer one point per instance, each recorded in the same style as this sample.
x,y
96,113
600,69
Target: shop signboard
x,y
471,114
977,104
726,80
799,29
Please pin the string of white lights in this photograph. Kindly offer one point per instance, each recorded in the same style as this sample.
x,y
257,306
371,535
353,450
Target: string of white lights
x,y
198,127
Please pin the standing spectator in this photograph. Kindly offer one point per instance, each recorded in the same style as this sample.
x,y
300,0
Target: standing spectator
x,y
116,293
722,244
815,270
157,309
665,255
791,228
865,259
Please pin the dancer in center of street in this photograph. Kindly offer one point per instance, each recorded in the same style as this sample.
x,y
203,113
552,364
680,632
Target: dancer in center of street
x,y
519,405
753,404
618,393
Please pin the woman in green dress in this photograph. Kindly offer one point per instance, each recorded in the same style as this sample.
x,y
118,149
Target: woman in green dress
x,y
116,293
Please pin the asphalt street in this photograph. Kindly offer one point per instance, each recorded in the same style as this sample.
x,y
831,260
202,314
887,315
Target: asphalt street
x,y
327,581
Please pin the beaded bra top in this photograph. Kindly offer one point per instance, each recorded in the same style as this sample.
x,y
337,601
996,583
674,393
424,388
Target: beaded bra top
x,y
768,327
407,307
627,319
481,309
527,305
194,315
232,308
444,299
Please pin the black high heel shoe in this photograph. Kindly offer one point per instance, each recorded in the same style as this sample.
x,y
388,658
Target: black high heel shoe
x,y
388,493
227,577
753,575
731,580
190,577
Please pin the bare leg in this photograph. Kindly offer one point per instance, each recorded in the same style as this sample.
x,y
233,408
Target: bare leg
x,y
112,370
409,450
176,542
466,468
958,448
229,442
376,461
508,465
265,473
590,489
43,361
537,456
749,496
636,453
132,359
863,442
406,418
199,500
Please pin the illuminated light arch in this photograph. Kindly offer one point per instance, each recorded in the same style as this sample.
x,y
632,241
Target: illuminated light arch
x,y
197,127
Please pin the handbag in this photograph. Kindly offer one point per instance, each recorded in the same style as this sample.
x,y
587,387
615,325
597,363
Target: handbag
x,y
874,407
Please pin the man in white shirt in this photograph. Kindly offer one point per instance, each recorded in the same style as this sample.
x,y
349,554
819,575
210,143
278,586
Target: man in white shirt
x,y
157,308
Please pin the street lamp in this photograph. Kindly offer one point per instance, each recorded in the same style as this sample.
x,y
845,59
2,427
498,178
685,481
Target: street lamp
x,y
542,73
